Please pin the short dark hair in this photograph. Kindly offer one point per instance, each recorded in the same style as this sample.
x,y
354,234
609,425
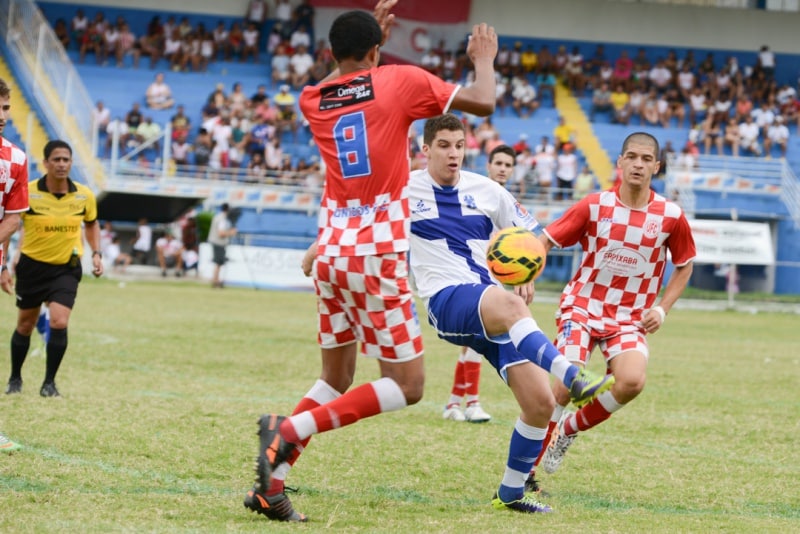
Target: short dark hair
x,y
641,137
54,144
448,121
5,91
502,149
224,207
353,34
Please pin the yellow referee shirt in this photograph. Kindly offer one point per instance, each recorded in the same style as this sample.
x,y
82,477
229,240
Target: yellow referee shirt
x,y
53,223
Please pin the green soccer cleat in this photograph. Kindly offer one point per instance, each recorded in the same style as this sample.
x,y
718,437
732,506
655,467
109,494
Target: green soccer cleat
x,y
586,386
526,504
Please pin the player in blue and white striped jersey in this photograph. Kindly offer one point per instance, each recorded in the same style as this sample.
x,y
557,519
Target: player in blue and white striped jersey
x,y
453,215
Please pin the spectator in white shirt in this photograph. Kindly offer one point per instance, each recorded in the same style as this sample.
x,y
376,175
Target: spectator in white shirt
x,y
748,136
777,135
300,67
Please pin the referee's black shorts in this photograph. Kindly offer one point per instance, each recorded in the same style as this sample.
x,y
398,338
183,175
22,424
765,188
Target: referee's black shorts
x,y
39,282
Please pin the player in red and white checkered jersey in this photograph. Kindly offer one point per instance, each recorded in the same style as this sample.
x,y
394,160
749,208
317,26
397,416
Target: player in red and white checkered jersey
x,y
610,303
360,116
13,201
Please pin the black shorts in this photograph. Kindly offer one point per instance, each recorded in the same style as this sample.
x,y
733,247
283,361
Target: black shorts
x,y
219,254
39,282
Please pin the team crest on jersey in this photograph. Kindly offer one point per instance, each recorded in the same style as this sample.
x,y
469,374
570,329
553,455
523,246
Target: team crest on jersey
x,y
355,91
420,208
4,173
469,201
651,229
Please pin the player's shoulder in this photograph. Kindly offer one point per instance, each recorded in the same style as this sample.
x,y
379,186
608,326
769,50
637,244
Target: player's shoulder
x,y
671,208
82,190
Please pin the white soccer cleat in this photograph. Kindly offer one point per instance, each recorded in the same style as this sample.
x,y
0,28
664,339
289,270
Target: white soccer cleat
x,y
475,414
555,452
453,413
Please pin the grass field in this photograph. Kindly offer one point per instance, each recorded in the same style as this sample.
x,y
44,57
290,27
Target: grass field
x,y
163,384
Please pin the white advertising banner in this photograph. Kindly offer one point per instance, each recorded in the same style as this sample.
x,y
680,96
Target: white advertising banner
x,y
739,243
258,267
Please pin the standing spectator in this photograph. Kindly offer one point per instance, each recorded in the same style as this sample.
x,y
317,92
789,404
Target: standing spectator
x,y
101,116
283,16
566,171
616,225
563,133
303,14
180,122
466,306
219,235
356,244
545,172
49,267
142,242
766,62
257,11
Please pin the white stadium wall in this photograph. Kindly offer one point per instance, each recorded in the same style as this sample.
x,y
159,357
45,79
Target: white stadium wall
x,y
583,20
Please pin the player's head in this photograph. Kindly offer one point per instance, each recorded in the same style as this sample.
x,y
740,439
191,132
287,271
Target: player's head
x,y
444,141
57,159
501,163
353,35
639,159
5,104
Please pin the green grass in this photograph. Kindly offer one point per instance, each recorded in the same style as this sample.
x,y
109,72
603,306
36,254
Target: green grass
x,y
163,384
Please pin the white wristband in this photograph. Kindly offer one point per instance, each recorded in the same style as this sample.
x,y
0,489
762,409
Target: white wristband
x,y
660,311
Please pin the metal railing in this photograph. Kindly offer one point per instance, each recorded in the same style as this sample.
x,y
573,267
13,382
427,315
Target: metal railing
x,y
53,82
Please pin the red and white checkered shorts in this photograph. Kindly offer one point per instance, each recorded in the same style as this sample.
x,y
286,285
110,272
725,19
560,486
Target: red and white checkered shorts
x,y
576,341
368,299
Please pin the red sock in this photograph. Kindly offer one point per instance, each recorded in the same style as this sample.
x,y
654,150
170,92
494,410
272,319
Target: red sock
x,y
354,405
472,377
587,417
277,485
459,381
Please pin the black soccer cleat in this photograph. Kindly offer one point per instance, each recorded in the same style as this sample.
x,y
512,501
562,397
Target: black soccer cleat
x,y
49,390
276,507
273,449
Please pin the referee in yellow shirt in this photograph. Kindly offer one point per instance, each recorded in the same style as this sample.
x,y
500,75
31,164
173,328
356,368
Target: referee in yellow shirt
x,y
49,267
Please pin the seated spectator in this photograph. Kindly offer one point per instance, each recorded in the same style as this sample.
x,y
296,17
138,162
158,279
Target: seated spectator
x,y
763,116
110,42
528,60
221,43
573,72
601,101
545,146
250,38
623,72
563,134
256,168
158,94
235,40
91,41
698,105
181,149
300,37
722,107
150,132
676,107
777,135
687,82
280,66
207,50
117,128
101,116
78,26
113,255
273,154
712,134
237,100
134,118
546,82
431,62
660,76
585,183
524,98
152,46
300,67
636,101
62,32
501,94
620,102
287,114
169,251
203,145
748,136
127,45
731,136
650,115
180,122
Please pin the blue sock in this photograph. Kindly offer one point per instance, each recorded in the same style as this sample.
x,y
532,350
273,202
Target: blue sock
x,y
523,449
531,341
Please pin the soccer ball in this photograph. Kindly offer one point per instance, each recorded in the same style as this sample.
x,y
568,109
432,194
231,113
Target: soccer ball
x,y
515,256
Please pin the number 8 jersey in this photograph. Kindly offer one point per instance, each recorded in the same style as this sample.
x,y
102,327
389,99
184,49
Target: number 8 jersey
x,y
360,123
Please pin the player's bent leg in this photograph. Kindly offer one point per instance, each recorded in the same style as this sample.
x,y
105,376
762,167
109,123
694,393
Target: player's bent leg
x,y
630,371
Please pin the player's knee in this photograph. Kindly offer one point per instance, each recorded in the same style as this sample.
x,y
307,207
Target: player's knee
x,y
413,392
561,394
628,387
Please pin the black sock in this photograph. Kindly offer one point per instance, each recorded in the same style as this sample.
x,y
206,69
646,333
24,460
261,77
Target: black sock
x,y
19,351
56,347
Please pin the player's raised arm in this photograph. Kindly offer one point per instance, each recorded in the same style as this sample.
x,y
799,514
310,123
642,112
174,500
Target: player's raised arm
x,y
479,98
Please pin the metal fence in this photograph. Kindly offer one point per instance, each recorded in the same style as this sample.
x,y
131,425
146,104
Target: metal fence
x,y
55,86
